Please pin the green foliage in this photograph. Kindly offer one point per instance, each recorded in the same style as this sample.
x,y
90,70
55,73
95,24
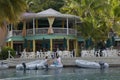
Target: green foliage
x,y
117,11
97,17
39,5
10,10
4,52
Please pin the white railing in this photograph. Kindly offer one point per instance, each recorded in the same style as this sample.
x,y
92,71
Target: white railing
x,y
61,31
29,32
50,54
10,34
9,55
41,30
16,32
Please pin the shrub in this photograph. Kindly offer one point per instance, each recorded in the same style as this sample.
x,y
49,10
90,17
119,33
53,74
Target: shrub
x,y
4,52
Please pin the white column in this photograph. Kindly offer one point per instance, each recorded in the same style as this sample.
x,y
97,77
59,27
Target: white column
x,y
68,44
34,46
67,27
51,45
75,27
33,26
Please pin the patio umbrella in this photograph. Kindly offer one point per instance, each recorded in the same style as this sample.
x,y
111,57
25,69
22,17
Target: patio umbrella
x,y
88,42
112,41
64,43
31,44
48,44
108,43
43,43
25,43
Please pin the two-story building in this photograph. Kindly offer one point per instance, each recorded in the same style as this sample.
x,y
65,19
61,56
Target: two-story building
x,y
46,30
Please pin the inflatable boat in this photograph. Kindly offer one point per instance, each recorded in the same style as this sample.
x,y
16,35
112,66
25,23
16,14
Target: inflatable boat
x,y
52,66
35,65
89,64
28,66
3,65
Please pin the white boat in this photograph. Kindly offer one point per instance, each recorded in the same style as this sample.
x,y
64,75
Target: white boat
x,y
3,66
34,65
28,66
56,66
52,66
89,64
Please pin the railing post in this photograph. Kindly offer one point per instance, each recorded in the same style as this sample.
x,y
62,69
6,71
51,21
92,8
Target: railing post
x,y
9,54
33,26
67,27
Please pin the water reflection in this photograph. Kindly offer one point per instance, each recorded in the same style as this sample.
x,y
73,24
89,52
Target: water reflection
x,y
61,74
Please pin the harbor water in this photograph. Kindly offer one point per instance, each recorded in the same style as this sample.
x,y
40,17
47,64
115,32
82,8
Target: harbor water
x,y
61,74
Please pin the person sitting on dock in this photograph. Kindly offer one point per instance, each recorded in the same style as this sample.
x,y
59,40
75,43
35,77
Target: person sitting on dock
x,y
47,62
57,61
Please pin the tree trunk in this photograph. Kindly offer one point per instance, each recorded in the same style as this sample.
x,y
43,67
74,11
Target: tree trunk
x,y
3,35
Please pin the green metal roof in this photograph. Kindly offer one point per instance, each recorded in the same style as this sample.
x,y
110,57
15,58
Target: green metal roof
x,y
40,37
80,39
15,38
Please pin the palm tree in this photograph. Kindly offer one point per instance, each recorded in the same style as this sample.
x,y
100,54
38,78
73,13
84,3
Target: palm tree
x,y
114,19
94,15
39,5
10,11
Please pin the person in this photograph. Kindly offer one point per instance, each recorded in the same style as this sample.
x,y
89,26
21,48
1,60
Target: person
x,y
47,62
57,61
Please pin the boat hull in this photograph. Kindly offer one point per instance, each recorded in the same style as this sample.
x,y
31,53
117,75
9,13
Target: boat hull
x,y
88,64
36,65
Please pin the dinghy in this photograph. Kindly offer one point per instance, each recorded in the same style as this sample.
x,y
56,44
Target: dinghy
x,y
52,66
28,66
35,65
89,64
3,65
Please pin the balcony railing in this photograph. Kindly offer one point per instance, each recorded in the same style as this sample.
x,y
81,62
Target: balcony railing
x,y
39,31
16,33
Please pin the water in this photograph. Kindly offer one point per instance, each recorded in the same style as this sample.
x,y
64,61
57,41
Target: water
x,y
61,74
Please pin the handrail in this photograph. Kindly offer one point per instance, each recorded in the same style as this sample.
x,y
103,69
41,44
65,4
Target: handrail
x,y
39,31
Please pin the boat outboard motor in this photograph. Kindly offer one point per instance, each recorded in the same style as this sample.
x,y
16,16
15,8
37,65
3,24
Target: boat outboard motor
x,y
24,66
102,65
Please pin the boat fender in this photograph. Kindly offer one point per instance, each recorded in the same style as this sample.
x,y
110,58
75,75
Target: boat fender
x,y
102,65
